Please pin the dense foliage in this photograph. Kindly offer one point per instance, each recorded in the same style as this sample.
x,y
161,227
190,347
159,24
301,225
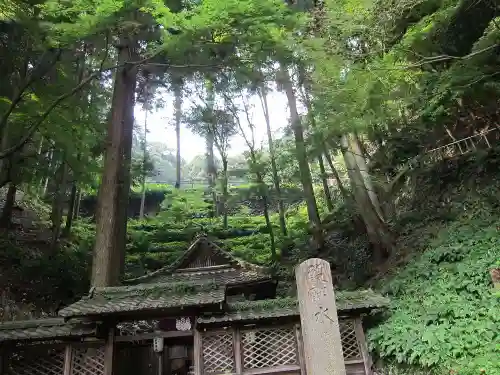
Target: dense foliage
x,y
444,312
388,167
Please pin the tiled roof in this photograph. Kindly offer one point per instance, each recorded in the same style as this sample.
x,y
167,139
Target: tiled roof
x,y
223,276
237,270
145,297
163,288
347,302
38,329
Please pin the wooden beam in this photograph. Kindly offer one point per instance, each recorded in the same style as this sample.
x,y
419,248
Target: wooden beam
x,y
272,370
300,349
68,359
202,269
3,359
360,336
108,352
197,353
160,363
150,336
238,359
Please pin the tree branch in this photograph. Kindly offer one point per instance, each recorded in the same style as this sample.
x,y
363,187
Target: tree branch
x,y
33,128
30,78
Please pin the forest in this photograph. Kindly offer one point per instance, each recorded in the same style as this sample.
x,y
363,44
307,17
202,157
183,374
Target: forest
x,y
388,167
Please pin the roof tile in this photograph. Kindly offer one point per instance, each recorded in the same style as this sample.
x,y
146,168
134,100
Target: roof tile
x,y
347,302
241,270
144,297
49,328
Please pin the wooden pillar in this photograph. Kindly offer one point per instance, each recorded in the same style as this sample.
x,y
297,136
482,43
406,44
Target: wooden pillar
x,y
3,359
160,363
360,336
238,358
197,353
68,360
167,370
109,352
318,315
300,349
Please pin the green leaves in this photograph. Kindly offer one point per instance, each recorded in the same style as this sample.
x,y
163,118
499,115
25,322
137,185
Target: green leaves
x,y
443,312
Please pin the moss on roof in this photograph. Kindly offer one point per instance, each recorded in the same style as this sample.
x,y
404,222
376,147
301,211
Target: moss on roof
x,y
347,302
145,297
244,267
263,305
173,288
49,328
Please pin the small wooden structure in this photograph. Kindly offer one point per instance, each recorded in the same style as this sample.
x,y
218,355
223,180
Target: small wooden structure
x,y
207,314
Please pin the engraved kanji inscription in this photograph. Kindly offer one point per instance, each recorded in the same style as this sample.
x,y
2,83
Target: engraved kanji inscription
x,y
316,273
316,293
321,314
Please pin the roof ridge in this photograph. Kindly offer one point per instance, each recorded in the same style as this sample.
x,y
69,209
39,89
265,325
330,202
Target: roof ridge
x,y
241,262
341,296
170,268
165,285
200,237
33,323
347,303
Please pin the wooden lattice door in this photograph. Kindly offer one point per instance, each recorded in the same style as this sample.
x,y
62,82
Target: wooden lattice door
x,y
37,361
87,361
217,352
269,347
241,351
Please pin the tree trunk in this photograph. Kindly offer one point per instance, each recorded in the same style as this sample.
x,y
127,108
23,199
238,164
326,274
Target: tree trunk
x,y
211,169
265,203
225,193
111,213
143,199
178,115
58,202
312,120
274,255
378,232
76,212
125,176
71,211
345,193
10,200
4,145
274,169
211,172
305,172
45,184
38,176
358,153
6,164
324,180
144,161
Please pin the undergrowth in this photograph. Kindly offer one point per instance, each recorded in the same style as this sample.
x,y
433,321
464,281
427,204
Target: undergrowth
x,y
444,315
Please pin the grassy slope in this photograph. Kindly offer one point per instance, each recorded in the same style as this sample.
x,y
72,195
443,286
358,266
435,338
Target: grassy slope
x,y
444,314
443,311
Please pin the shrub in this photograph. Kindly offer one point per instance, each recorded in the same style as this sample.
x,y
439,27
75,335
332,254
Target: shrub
x,y
444,314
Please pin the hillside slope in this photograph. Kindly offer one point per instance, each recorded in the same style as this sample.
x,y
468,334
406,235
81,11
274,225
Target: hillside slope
x,y
443,315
